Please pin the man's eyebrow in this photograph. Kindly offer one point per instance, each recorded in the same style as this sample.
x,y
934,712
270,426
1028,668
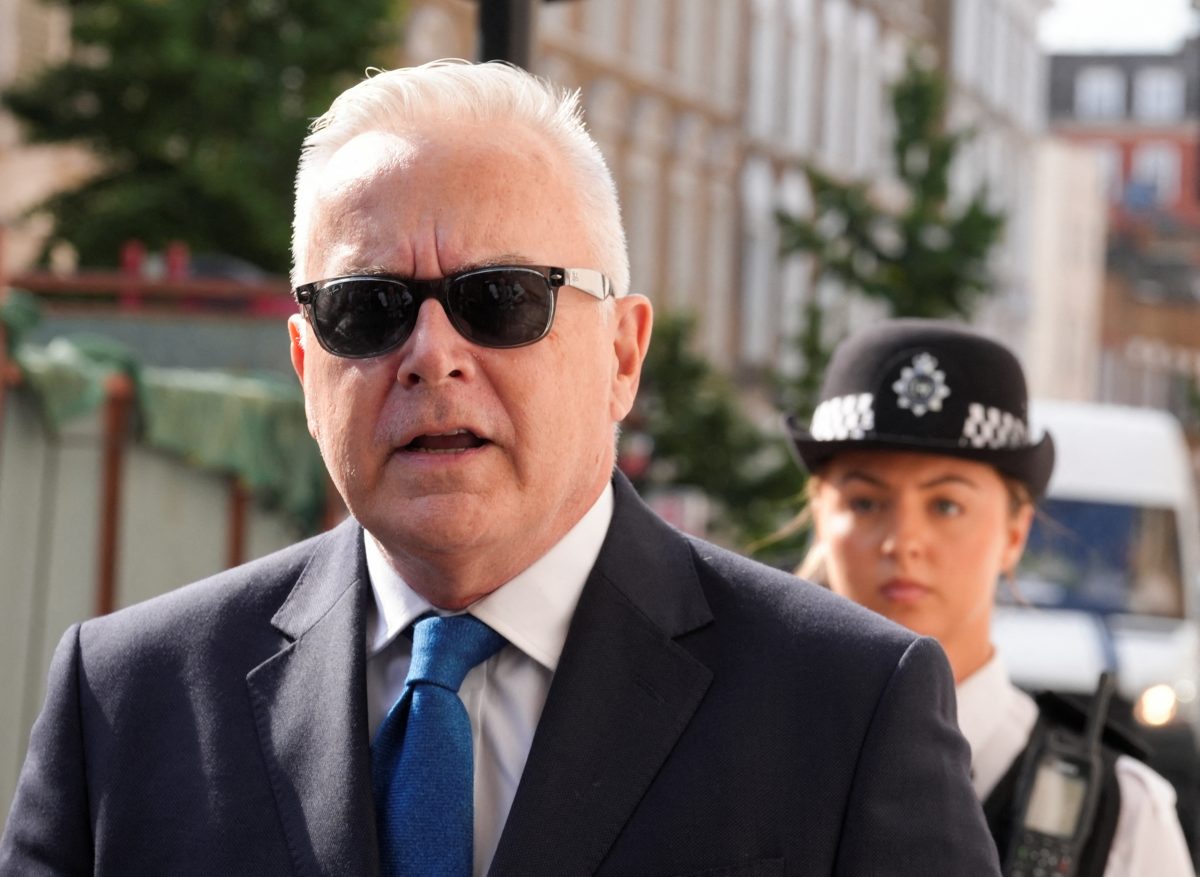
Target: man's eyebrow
x,y
492,261
475,265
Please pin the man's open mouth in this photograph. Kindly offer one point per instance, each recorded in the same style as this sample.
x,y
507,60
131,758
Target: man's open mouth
x,y
453,442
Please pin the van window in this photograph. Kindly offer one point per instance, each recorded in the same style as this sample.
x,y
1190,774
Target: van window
x,y
1102,557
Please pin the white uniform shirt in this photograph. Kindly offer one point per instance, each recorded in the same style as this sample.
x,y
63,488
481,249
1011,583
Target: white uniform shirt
x,y
996,717
504,695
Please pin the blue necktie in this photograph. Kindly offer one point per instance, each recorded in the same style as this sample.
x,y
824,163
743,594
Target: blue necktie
x,y
422,767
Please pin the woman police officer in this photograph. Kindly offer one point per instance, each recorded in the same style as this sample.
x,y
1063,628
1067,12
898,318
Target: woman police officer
x,y
922,490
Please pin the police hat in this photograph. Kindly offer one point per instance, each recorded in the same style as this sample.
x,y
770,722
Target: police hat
x,y
930,386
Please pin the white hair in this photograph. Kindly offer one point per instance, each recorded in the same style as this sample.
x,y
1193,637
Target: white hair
x,y
412,98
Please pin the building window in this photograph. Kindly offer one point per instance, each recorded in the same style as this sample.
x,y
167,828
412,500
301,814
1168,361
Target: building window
x,y
801,82
724,63
647,38
692,47
644,167
1033,63
870,93
1099,93
838,101
984,47
683,288
1158,94
760,262
603,24
966,18
717,258
765,81
998,74
1155,174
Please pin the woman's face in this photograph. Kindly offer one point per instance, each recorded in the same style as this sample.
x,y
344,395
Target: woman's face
x,y
921,539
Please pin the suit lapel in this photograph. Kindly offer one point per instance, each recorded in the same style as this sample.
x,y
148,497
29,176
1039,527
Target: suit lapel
x,y
622,694
310,708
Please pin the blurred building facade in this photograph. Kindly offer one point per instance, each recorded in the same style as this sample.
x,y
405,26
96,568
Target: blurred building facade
x,y
1139,115
706,113
997,73
1063,341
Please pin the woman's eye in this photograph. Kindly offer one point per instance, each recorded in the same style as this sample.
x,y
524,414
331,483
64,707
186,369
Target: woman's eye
x,y
947,508
862,505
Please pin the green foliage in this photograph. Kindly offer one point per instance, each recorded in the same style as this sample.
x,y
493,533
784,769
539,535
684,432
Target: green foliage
x,y
701,438
797,394
197,112
927,258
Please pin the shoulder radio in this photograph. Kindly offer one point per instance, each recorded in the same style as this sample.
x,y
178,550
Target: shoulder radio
x,y
1057,796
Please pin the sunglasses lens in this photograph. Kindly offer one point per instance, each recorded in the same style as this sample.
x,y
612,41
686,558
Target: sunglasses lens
x,y
506,307
364,316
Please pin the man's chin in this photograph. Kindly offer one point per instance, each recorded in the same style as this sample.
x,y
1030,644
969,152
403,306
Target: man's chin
x,y
435,524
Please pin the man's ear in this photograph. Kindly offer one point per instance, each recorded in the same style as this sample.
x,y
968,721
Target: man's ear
x,y
298,337
635,318
296,330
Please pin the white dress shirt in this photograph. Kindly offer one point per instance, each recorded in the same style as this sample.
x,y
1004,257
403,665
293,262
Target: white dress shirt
x,y
996,717
504,695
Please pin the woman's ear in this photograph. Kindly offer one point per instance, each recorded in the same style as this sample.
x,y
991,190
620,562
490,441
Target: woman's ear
x,y
1016,535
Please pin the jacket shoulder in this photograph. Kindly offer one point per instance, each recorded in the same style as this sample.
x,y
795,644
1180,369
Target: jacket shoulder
x,y
244,597
772,598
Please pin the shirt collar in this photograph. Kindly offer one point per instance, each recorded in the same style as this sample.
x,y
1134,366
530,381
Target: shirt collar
x,y
532,610
977,699
986,700
996,719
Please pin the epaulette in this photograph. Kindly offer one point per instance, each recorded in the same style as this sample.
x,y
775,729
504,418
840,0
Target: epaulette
x,y
1071,711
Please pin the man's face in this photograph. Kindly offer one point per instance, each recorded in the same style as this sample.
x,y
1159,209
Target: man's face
x,y
465,463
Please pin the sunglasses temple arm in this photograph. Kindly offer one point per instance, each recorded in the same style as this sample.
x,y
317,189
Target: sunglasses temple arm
x,y
593,282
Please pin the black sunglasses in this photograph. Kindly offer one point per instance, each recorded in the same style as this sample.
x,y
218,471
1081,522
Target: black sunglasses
x,y
365,315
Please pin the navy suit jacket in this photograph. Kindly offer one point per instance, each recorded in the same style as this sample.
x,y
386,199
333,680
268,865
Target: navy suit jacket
x,y
709,715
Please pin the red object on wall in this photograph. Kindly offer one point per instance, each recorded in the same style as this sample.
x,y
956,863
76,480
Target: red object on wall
x,y
133,257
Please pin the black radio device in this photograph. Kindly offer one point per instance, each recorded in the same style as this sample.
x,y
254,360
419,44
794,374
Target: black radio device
x,y
1057,795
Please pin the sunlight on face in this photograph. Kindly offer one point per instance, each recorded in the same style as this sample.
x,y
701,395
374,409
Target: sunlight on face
x,y
538,420
921,539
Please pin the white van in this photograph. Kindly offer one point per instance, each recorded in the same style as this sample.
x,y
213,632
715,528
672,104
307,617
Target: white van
x,y
1111,579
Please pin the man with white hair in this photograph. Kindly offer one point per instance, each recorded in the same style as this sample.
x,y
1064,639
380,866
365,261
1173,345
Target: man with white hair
x,y
502,663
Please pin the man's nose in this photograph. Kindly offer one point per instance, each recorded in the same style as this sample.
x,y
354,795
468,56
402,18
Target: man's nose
x,y
435,351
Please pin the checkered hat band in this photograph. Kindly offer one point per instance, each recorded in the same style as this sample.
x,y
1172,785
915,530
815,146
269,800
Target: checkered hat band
x,y
988,427
844,417
851,417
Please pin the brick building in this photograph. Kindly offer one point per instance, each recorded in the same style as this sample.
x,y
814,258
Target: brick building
x,y
1139,114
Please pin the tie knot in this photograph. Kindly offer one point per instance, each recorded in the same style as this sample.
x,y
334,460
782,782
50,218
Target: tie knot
x,y
445,649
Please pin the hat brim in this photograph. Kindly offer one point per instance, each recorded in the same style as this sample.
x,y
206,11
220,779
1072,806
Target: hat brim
x,y
1032,465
